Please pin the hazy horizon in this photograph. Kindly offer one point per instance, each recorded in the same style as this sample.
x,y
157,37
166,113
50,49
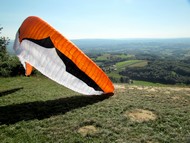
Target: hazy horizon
x,y
184,38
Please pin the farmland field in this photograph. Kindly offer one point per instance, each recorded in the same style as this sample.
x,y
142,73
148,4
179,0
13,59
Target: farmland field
x,y
36,109
131,63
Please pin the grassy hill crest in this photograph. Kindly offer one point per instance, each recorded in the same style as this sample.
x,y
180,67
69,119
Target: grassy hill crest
x,y
48,112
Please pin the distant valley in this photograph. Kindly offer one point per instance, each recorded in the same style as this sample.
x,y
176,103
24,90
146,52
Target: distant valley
x,y
173,48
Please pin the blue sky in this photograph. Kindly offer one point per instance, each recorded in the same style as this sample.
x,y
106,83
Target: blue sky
x,y
78,19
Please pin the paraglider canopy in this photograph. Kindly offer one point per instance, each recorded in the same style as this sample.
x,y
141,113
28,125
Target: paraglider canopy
x,y
39,45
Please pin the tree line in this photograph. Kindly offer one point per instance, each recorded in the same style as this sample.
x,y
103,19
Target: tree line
x,y
161,71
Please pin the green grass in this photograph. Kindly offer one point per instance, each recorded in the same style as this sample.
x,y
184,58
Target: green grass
x,y
105,57
124,56
130,63
36,109
114,74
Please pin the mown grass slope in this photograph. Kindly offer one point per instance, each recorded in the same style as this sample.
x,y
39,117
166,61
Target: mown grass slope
x,y
36,109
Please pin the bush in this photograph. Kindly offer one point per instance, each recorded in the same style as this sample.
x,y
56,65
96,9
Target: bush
x,y
11,67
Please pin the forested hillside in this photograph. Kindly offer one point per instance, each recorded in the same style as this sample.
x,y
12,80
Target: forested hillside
x,y
167,72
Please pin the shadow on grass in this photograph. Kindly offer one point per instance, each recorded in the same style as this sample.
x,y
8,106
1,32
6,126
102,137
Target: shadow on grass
x,y
44,109
10,91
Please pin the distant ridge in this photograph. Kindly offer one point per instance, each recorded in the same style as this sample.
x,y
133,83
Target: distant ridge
x,y
117,45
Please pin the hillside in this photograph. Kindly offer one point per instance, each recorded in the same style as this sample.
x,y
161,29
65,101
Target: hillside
x,y
48,112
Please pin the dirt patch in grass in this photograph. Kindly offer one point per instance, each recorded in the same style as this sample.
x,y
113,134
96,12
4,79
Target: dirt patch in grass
x,y
152,90
140,115
179,88
177,98
87,130
145,88
118,86
167,92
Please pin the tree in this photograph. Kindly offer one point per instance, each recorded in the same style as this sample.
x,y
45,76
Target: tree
x,y
3,44
9,65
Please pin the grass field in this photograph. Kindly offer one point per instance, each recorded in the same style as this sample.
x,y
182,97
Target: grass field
x,y
37,110
130,63
105,57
